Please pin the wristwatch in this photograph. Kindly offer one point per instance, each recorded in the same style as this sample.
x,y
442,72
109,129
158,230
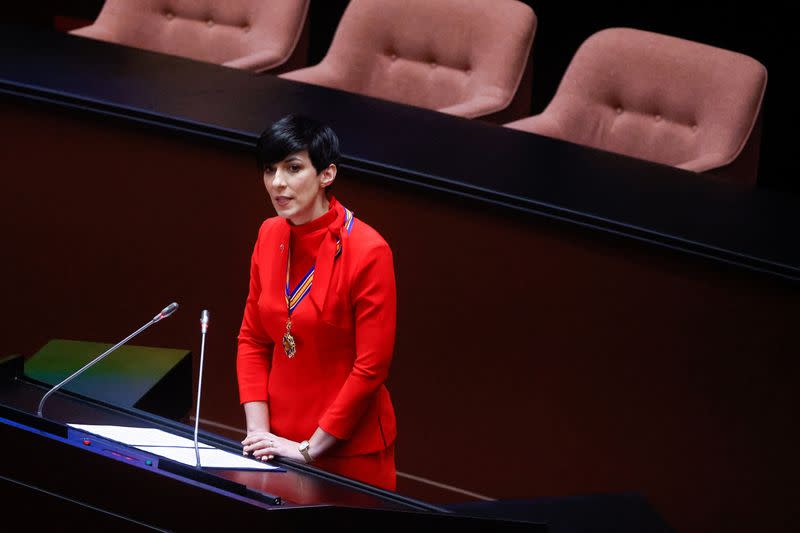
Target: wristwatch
x,y
304,450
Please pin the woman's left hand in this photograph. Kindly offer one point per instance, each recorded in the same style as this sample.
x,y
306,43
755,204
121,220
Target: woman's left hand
x,y
265,446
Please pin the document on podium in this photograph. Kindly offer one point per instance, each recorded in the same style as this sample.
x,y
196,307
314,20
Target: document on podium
x,y
174,447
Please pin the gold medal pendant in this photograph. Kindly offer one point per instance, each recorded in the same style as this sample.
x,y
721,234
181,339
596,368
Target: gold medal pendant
x,y
289,345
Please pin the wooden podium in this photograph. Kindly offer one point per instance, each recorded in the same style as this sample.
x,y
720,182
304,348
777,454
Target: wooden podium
x,y
56,475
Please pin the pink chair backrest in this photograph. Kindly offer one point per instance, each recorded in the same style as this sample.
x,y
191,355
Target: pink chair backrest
x,y
658,98
206,30
432,54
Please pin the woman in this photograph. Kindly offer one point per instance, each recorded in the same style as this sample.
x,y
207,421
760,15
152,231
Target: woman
x,y
318,331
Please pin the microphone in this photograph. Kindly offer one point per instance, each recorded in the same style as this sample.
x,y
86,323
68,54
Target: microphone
x,y
203,330
168,310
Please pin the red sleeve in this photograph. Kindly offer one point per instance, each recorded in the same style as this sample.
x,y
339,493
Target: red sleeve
x,y
254,353
374,299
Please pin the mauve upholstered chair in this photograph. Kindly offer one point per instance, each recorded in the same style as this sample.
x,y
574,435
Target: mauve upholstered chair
x,y
462,57
662,99
255,35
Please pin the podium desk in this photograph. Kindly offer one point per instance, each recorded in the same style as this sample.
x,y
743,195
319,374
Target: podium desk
x,y
631,323
67,474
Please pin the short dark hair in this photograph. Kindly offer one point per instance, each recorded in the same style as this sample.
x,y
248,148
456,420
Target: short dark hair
x,y
295,133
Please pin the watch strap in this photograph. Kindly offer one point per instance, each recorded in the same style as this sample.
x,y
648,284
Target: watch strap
x,y
304,450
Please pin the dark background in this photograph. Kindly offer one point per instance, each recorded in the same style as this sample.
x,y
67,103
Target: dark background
x,y
763,30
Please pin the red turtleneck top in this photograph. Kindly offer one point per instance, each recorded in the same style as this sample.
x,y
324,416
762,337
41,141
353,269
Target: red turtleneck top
x,y
304,244
344,331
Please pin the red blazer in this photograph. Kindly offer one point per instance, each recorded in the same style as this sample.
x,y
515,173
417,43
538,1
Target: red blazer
x,y
344,330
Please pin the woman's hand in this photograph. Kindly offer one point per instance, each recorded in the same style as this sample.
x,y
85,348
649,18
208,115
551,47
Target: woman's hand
x,y
265,446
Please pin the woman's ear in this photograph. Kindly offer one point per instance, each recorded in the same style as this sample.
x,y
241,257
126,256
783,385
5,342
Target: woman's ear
x,y
328,175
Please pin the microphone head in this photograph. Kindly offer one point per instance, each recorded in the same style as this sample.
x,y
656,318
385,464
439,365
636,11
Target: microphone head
x,y
204,320
168,310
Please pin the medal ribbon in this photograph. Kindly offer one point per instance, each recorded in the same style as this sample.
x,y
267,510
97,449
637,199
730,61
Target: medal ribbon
x,y
293,298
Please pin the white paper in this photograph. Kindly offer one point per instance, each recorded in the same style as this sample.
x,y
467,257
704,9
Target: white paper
x,y
209,458
174,447
133,436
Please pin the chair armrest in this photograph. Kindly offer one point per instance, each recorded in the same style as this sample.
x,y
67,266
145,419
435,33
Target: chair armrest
x,y
476,107
319,74
260,61
705,162
93,31
542,124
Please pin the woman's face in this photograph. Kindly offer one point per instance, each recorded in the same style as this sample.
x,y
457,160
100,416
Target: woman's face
x,y
296,189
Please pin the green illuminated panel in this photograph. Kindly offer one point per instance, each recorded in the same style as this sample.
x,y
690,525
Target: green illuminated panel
x,y
122,378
